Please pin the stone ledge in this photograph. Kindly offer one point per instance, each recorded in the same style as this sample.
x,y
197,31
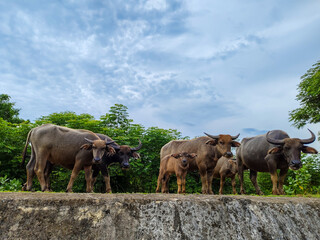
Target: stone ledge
x,y
156,216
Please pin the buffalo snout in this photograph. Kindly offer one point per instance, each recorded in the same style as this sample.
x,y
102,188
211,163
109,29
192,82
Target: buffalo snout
x,y
97,160
295,164
228,154
125,165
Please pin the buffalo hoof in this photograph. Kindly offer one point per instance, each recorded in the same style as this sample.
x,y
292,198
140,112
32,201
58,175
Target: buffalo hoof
x,y
275,193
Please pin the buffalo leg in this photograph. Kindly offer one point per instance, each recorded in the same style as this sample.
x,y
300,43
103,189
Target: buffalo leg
x,y
282,176
222,181
106,176
47,172
184,182
165,183
240,174
210,178
30,173
179,183
95,173
274,179
233,182
88,177
40,165
159,181
75,171
204,180
253,178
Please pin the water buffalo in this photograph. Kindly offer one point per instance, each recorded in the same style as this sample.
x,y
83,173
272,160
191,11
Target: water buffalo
x,y
70,148
208,149
122,155
177,163
226,167
269,152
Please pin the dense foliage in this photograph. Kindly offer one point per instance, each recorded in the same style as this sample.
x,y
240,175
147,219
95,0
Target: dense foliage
x,y
142,176
309,98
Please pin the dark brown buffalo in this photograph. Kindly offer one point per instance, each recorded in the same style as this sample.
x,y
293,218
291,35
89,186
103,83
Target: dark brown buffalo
x,y
122,156
70,148
269,152
178,164
208,149
226,167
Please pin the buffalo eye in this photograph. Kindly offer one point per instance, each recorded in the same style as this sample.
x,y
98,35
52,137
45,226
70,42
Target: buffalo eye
x,y
221,142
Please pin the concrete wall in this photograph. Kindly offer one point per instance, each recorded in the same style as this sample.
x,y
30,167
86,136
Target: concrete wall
x,y
156,216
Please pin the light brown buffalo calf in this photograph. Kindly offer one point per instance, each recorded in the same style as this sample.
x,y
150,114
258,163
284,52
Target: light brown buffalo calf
x,y
177,163
226,167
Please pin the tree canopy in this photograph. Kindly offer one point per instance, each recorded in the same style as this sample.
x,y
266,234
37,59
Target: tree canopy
x,y
309,98
7,110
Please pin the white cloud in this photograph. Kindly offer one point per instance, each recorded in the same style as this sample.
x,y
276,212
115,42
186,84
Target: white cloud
x,y
209,66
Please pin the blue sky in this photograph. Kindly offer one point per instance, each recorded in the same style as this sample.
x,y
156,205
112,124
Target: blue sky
x,y
214,66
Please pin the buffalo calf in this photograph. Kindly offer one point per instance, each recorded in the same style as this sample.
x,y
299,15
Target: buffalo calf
x,y
177,163
226,167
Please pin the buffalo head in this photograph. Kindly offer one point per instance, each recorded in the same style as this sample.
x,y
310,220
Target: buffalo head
x,y
124,153
98,147
223,143
184,158
291,149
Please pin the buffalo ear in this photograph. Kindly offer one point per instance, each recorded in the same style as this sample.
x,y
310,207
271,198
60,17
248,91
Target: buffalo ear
x,y
110,151
86,146
274,150
212,142
136,155
235,144
311,150
175,155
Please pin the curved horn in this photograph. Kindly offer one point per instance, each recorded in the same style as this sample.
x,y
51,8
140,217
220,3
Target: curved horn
x,y
88,140
235,137
116,146
212,136
107,143
138,147
274,141
309,140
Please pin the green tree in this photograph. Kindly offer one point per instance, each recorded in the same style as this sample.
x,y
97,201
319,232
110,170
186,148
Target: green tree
x,y
309,98
118,117
12,142
7,110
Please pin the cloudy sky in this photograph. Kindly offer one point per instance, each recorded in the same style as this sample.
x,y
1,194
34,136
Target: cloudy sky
x,y
215,66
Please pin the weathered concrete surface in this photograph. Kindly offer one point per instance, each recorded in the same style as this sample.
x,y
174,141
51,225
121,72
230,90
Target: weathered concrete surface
x,y
156,216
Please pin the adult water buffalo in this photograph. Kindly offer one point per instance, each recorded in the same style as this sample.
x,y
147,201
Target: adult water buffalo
x,y
269,152
208,149
70,148
122,156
